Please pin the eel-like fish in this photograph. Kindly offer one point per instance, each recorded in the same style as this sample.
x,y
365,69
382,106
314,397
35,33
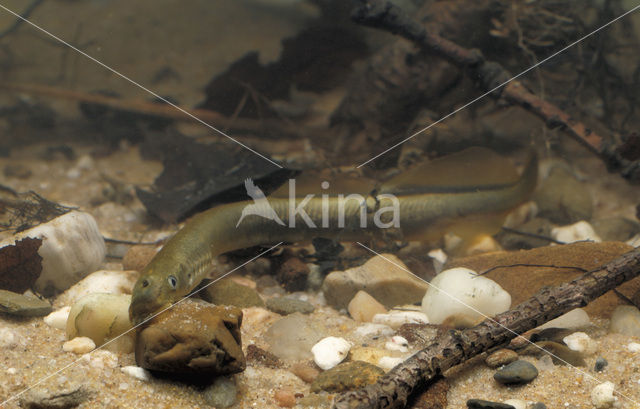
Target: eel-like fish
x,y
466,192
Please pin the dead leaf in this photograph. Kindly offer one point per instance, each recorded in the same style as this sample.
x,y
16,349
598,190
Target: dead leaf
x,y
20,265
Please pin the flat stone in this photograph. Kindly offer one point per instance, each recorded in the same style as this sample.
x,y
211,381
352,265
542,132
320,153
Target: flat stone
x,y
193,337
228,292
517,372
485,404
61,399
292,337
384,277
501,357
22,305
221,393
363,307
288,305
347,376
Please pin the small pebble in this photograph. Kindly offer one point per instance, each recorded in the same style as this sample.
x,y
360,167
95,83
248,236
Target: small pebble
x,y
58,318
633,347
330,351
305,372
79,345
579,231
581,342
501,357
136,372
256,355
288,305
373,330
485,404
397,343
395,319
221,393
389,362
600,364
7,338
602,395
516,403
284,398
517,372
364,307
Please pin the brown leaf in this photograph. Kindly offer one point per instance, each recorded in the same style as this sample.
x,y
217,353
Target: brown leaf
x,y
20,265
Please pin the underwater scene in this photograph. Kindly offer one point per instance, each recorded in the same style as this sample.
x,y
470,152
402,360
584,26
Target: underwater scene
x,y
427,204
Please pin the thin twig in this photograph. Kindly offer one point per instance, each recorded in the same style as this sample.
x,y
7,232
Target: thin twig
x,y
25,15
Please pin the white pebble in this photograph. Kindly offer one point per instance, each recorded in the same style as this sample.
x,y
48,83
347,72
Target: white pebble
x,y
579,231
330,351
389,362
373,330
58,318
12,371
397,343
395,319
123,386
602,395
633,347
136,372
72,247
85,162
573,319
453,291
439,259
516,403
7,338
79,345
581,342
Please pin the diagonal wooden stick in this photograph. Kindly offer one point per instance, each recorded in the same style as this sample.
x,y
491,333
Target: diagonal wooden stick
x,y
455,347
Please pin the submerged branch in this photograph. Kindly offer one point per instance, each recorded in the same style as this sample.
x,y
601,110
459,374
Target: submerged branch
x,y
494,79
455,347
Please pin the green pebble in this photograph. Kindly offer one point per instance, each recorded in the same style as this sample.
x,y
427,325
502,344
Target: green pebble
x,y
22,305
221,393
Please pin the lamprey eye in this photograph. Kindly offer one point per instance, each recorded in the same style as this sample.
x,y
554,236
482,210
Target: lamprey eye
x,y
145,283
173,281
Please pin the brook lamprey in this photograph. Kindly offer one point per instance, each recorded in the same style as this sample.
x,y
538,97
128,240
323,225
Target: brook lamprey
x,y
418,205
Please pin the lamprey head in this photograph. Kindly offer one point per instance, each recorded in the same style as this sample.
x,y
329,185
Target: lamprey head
x,y
152,293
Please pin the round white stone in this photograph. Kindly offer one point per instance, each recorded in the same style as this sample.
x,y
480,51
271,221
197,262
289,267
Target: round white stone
x,y
7,338
581,342
460,291
330,351
633,347
602,395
